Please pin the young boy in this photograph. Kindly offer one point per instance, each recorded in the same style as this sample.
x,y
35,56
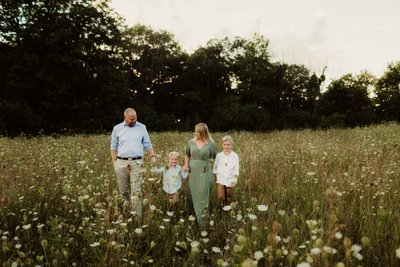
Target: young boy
x,y
173,175
226,170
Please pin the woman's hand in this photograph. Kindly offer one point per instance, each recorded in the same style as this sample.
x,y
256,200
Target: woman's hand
x,y
186,168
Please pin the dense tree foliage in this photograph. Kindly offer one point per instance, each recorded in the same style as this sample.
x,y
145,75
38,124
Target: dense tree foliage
x,y
203,83
153,62
73,65
60,66
388,93
347,102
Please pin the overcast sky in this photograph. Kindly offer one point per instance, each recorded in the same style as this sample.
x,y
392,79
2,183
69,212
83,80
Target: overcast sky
x,y
347,36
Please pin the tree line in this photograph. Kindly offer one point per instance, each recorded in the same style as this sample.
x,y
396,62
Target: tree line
x,y
74,65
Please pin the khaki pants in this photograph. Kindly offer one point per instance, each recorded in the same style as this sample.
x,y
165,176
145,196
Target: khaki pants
x,y
129,178
173,199
225,195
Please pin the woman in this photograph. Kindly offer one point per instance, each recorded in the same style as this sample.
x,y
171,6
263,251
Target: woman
x,y
199,152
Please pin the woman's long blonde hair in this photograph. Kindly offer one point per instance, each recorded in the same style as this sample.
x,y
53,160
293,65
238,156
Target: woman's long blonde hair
x,y
202,128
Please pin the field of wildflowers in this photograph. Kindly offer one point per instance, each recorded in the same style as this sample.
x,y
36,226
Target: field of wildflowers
x,y
304,198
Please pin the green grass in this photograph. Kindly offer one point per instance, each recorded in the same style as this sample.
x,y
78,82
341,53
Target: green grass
x,y
333,196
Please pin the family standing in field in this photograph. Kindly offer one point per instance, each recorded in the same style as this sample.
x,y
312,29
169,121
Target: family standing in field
x,y
129,140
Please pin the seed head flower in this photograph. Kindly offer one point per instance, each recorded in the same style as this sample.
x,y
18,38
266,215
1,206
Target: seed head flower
x,y
241,239
194,251
145,202
276,227
233,204
44,243
249,263
182,244
237,248
223,263
330,250
331,193
365,241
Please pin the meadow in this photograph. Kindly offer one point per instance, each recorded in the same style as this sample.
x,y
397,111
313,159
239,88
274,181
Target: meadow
x,y
304,198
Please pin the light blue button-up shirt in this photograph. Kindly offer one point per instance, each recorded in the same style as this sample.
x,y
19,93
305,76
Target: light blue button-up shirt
x,y
130,141
172,178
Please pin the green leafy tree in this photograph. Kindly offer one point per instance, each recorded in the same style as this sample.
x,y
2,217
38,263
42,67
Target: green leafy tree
x,y
60,67
229,83
204,82
299,91
250,60
347,102
252,78
153,62
313,96
388,93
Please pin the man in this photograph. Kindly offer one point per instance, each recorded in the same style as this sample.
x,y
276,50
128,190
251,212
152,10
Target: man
x,y
129,140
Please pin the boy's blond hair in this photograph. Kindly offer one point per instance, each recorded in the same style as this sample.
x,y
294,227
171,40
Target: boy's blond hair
x,y
227,138
173,154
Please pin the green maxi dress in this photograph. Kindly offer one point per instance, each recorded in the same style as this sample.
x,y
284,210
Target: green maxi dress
x,y
200,176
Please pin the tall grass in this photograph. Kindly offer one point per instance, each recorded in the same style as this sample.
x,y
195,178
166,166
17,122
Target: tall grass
x,y
304,198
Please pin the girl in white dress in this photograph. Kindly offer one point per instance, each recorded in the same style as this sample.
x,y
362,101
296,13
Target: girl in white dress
x,y
226,171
